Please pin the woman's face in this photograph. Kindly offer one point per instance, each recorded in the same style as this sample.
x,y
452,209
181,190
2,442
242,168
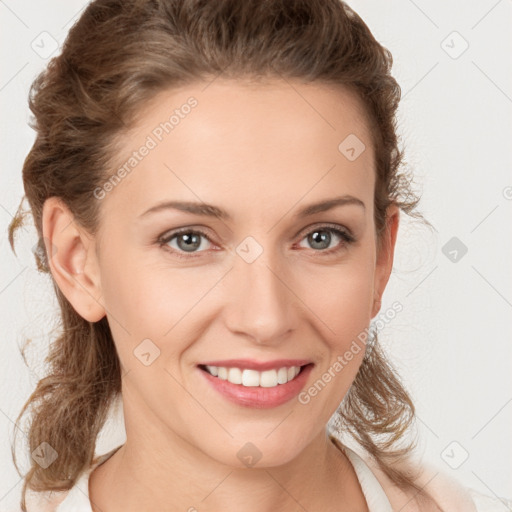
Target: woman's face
x,y
269,278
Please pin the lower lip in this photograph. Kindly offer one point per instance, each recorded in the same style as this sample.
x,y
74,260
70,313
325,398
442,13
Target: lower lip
x,y
259,397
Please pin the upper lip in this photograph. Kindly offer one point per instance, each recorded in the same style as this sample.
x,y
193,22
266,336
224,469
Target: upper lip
x,y
252,364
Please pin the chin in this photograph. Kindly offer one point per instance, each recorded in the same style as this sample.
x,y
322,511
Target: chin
x,y
258,453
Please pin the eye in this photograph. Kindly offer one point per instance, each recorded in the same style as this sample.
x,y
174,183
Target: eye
x,y
187,241
320,238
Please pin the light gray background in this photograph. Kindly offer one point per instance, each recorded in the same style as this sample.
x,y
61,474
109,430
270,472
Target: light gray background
x,y
452,341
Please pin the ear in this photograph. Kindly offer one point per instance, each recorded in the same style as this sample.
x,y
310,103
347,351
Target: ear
x,y
72,259
385,253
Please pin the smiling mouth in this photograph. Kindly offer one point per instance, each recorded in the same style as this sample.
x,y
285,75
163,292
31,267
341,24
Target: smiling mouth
x,y
253,378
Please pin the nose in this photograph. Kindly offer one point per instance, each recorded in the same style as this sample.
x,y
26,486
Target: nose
x,y
260,304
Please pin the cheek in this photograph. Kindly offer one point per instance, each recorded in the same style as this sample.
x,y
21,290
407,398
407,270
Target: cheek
x,y
344,323
155,302
341,300
341,296
143,294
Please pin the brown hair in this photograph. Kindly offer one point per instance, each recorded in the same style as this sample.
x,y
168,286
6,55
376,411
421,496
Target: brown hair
x,y
117,56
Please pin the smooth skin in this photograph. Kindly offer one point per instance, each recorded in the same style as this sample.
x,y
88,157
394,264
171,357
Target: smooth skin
x,y
261,152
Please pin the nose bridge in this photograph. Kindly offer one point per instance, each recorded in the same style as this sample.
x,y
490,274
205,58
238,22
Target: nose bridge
x,y
260,300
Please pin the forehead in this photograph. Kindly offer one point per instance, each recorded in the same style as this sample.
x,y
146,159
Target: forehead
x,y
244,142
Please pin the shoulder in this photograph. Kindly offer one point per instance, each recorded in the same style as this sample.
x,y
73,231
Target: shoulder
x,y
485,503
46,501
449,494
75,498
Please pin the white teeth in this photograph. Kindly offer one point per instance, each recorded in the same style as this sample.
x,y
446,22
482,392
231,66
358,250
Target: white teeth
x,y
250,378
282,375
253,378
235,375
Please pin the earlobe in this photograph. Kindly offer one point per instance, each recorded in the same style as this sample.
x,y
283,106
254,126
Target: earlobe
x,y
72,260
384,263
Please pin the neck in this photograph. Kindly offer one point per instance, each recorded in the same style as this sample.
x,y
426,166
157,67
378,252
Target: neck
x,y
162,471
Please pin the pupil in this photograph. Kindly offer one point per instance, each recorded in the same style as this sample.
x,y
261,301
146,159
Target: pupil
x,y
192,242
321,237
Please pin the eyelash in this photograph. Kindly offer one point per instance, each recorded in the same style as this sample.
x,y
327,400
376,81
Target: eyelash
x,y
164,239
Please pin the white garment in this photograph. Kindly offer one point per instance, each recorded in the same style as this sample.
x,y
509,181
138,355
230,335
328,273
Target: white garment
x,y
77,498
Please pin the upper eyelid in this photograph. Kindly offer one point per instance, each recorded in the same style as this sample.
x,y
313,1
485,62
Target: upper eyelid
x,y
325,225
169,235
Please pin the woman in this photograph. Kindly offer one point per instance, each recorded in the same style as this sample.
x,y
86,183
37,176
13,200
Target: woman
x,y
216,188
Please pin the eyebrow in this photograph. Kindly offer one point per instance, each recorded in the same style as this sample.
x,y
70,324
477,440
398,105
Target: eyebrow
x,y
209,210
